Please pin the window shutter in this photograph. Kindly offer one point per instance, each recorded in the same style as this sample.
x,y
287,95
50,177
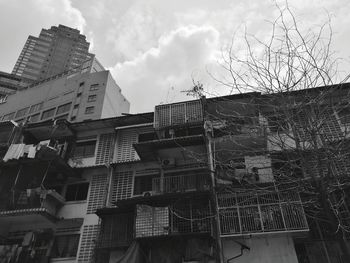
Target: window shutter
x,y
125,150
122,185
87,245
104,148
98,192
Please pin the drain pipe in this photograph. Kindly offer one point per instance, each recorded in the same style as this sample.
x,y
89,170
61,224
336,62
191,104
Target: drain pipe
x,y
208,131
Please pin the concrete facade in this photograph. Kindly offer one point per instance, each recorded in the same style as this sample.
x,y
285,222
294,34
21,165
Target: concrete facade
x,y
75,97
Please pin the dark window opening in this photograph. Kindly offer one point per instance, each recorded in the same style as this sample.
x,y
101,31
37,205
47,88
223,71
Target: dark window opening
x,y
77,192
143,184
85,149
65,246
144,137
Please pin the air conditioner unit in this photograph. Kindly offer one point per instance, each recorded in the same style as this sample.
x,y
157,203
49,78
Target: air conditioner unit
x,y
147,194
170,162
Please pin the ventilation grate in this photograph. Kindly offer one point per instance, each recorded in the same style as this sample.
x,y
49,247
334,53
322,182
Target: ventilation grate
x,y
87,244
104,148
126,152
122,185
98,192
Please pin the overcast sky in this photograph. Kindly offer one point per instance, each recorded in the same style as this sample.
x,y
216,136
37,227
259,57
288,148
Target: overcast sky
x,y
154,47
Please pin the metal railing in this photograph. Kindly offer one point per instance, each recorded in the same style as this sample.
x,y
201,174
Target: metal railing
x,y
178,114
259,212
181,183
188,217
31,199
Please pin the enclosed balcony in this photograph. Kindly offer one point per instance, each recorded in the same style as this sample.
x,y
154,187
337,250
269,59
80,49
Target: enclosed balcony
x,y
178,114
261,212
30,206
180,218
181,183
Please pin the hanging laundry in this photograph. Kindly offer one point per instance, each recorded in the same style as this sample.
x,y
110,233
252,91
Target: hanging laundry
x,y
31,151
15,151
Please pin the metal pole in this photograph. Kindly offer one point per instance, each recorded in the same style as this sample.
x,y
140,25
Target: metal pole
x,y
214,195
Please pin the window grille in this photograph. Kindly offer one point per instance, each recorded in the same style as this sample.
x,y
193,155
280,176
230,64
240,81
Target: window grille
x,y
87,243
178,114
125,150
104,148
122,185
98,192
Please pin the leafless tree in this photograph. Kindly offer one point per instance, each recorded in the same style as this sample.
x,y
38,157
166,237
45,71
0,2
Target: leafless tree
x,y
303,116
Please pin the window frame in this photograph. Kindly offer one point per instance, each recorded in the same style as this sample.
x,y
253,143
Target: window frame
x,y
90,110
80,188
84,153
64,107
67,245
92,98
45,111
94,87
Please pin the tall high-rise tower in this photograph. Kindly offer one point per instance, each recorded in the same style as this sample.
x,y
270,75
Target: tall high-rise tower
x,y
56,50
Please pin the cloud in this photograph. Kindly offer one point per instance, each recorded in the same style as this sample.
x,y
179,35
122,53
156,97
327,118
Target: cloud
x,y
23,18
161,73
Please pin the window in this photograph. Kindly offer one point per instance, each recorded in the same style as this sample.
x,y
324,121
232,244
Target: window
x,y
81,84
62,117
94,87
344,115
92,98
85,149
78,94
77,192
65,246
76,106
20,113
34,118
9,116
89,110
48,113
143,184
63,108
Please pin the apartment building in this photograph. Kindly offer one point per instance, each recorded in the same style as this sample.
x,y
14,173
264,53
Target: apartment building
x,y
195,181
89,92
56,50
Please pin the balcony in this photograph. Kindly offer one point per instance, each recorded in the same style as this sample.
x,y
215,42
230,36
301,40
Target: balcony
x,y
30,206
178,114
181,183
261,213
183,218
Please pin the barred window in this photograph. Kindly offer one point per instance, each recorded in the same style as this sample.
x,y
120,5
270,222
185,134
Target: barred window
x,y
65,246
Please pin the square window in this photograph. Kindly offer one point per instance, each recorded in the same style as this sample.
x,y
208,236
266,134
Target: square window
x,y
9,116
76,106
85,149
94,87
78,94
77,192
65,246
89,110
48,113
34,118
22,112
92,98
63,108
81,84
36,107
